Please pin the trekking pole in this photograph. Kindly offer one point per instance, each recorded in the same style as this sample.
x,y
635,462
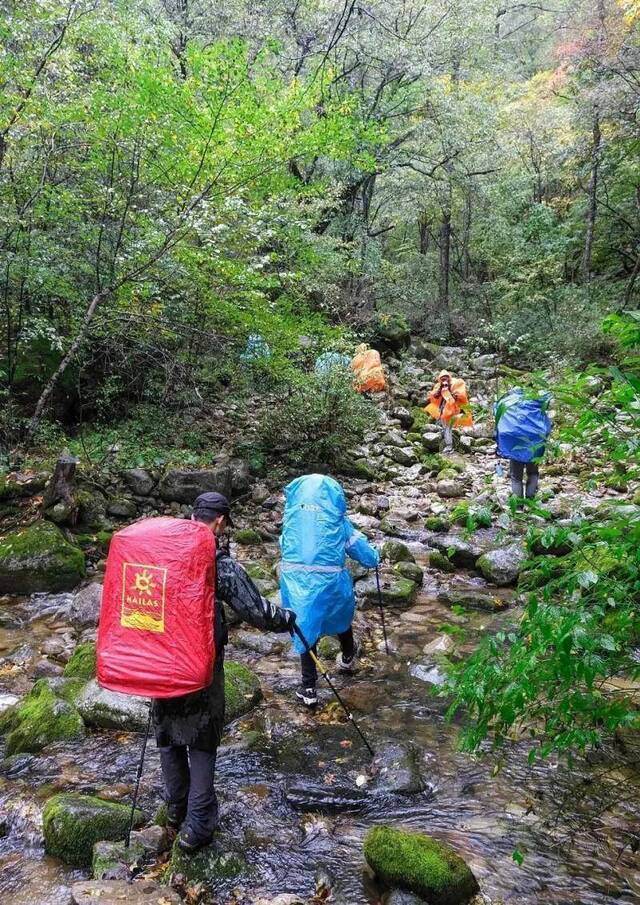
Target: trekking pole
x,y
323,671
384,627
138,778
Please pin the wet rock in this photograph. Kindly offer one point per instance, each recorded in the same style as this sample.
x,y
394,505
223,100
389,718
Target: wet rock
x,y
395,551
84,607
440,562
628,737
473,599
432,440
121,892
72,824
398,592
154,838
92,509
448,488
443,644
307,796
114,861
39,558
139,481
42,717
420,864
410,570
397,770
46,669
241,689
222,860
403,455
503,566
7,700
462,553
82,664
184,486
284,899
425,672
122,508
328,647
362,696
393,526
259,642
400,897
436,523
106,709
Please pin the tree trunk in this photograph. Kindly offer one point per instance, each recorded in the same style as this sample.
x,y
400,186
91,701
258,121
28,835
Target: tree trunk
x,y
592,192
61,485
423,234
466,237
445,256
66,361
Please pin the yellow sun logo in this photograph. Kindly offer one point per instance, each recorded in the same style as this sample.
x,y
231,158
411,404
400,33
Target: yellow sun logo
x,y
144,583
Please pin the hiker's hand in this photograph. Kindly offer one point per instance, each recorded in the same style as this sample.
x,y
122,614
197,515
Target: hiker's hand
x,y
289,620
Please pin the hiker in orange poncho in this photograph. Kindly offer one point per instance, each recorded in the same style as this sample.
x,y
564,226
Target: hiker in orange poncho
x,y
446,402
368,370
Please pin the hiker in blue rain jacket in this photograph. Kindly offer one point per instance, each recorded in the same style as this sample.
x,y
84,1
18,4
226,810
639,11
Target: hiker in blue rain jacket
x,y
316,538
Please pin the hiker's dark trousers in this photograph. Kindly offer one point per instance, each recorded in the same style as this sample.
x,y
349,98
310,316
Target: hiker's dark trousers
x,y
189,792
309,671
517,478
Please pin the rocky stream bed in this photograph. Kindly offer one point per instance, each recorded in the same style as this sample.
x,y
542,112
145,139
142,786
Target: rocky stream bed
x,y
298,792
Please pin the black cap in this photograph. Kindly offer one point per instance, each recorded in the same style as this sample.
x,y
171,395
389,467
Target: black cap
x,y
212,504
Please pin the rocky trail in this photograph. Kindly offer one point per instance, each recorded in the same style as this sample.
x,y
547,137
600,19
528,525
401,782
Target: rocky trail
x,y
297,790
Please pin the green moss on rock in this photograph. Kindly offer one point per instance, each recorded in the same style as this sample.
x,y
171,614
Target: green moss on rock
x,y
440,562
241,690
113,859
421,421
466,513
248,537
72,824
39,558
410,570
40,719
216,862
420,864
82,664
396,551
436,523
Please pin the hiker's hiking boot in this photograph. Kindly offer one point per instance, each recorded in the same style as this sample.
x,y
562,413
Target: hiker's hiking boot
x,y
175,816
189,843
348,665
308,696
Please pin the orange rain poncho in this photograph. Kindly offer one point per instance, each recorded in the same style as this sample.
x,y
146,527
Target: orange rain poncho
x,y
454,401
367,367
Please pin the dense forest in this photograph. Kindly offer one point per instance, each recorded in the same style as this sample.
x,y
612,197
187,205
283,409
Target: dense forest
x,y
198,200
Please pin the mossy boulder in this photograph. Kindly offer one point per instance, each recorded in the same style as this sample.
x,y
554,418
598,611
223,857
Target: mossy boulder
x,y
421,421
72,824
92,509
391,332
41,718
439,561
18,486
248,537
466,513
503,566
82,664
222,860
420,864
410,570
394,590
39,558
241,690
436,523
396,551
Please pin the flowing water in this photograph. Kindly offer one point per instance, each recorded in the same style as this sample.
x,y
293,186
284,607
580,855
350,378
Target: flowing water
x,y
297,795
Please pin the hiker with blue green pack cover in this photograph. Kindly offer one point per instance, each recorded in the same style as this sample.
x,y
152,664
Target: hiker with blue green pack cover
x,y
315,583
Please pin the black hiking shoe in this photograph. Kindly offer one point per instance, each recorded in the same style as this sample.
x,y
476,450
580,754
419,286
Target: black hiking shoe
x,y
345,665
308,696
189,843
175,817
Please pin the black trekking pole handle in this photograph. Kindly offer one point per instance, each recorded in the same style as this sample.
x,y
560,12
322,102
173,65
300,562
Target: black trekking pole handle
x,y
323,671
384,627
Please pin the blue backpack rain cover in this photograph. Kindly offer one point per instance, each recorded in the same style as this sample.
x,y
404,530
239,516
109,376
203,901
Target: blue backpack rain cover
x,y
316,539
331,361
523,426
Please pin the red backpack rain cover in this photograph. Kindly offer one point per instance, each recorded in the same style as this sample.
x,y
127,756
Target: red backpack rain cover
x,y
155,637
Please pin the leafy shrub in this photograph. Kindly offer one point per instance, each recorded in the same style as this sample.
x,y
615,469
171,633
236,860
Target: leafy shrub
x,y
318,421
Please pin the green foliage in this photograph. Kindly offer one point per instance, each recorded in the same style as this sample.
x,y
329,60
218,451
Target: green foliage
x,y
317,421
247,536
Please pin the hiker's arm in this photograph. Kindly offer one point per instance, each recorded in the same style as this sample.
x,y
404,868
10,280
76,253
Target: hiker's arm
x,y
239,592
359,548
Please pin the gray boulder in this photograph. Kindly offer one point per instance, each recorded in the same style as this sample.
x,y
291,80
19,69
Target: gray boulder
x,y
84,608
431,440
402,415
110,710
395,591
462,553
403,455
397,770
121,507
503,566
139,481
396,551
449,489
179,485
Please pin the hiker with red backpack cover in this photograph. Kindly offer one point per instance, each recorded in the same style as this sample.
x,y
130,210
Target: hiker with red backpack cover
x,y
162,635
